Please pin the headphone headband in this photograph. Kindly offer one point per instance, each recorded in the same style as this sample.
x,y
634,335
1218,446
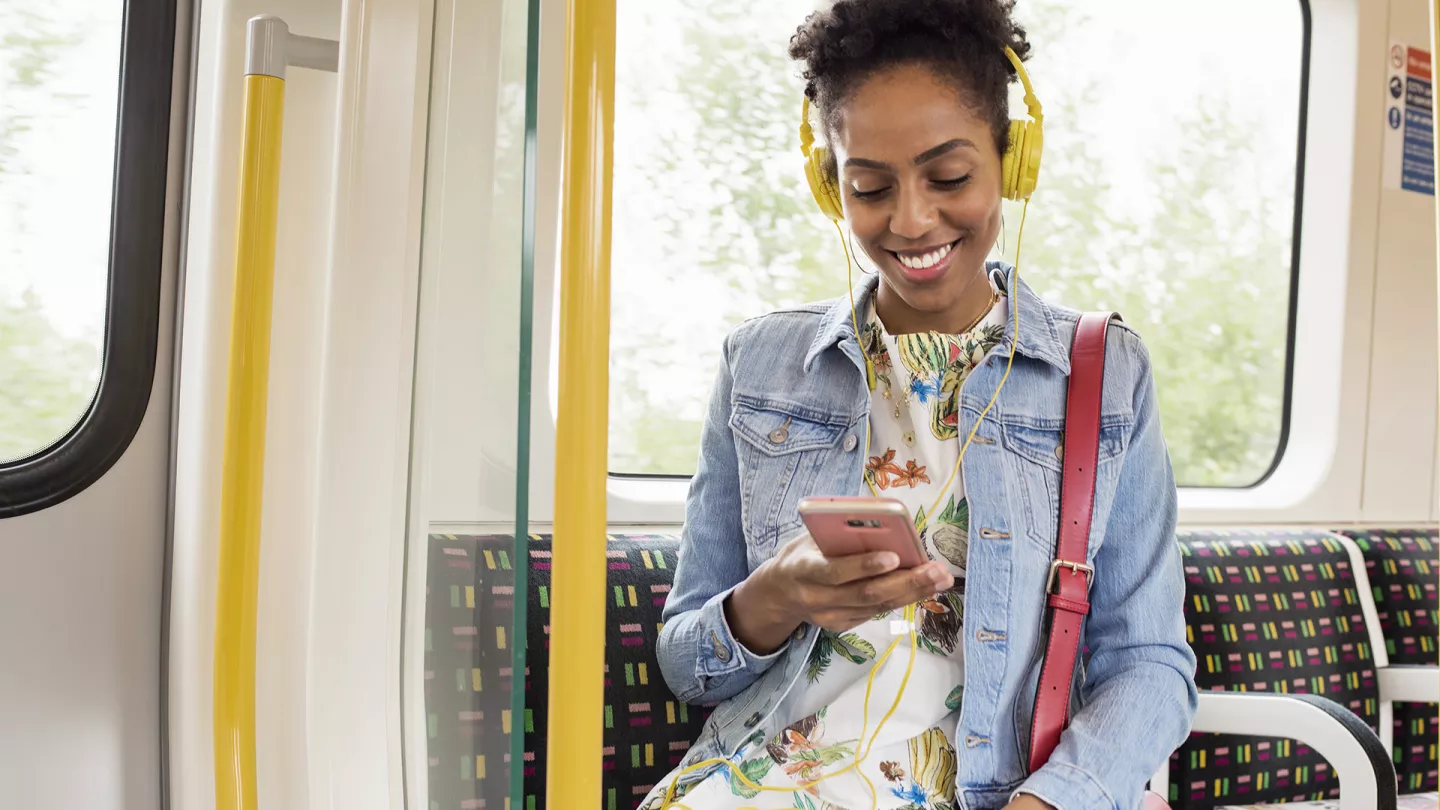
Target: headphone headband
x,y
1032,103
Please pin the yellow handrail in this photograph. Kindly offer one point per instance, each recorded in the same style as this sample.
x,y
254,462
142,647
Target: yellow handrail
x,y
577,618
243,475
270,47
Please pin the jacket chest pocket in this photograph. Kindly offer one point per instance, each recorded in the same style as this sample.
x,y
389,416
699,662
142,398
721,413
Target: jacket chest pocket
x,y
1036,457
780,453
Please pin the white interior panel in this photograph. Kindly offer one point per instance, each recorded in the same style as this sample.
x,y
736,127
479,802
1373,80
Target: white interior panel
x,y
1400,431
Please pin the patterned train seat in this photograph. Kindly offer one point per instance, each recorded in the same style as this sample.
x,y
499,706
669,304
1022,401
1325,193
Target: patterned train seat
x,y
1271,612
1265,613
469,621
647,730
1401,565
1413,802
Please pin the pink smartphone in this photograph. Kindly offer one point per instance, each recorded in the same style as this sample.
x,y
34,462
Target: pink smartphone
x,y
843,526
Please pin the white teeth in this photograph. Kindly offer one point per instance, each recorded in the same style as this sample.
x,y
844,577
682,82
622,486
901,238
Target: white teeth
x,y
926,261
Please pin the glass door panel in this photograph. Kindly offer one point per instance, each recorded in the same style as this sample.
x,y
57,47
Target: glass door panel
x,y
466,606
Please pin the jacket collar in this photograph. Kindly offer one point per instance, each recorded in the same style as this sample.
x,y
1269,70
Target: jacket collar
x,y
1039,338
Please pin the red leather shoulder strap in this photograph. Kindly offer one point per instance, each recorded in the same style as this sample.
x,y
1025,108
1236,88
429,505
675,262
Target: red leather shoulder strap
x,y
1068,584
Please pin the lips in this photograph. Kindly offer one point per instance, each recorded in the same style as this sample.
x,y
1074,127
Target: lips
x,y
926,264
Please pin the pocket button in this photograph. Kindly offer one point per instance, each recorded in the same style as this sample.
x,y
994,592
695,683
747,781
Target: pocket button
x,y
851,443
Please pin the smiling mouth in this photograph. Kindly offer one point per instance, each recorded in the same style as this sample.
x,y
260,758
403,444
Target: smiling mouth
x,y
925,263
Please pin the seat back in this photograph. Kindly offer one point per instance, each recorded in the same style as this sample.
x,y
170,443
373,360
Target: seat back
x,y
469,618
1272,612
647,729
468,658
1404,579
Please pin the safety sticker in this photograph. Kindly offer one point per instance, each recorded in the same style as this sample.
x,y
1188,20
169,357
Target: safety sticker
x,y
1409,155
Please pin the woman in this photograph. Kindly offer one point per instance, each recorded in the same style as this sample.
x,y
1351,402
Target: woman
x,y
912,97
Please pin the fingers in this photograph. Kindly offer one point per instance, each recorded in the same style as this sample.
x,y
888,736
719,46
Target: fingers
x,y
856,568
843,592
843,607
896,589
813,566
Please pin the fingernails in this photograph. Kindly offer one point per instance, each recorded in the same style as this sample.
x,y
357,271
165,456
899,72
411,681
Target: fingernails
x,y
886,560
938,578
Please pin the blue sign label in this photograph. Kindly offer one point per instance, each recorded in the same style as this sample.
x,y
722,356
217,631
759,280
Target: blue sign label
x,y
1410,122
1417,171
1417,94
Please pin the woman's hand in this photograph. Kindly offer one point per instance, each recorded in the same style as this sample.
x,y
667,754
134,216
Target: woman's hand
x,y
1026,801
800,585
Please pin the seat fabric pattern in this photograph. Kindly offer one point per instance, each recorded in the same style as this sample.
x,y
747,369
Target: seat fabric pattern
x,y
1265,612
468,663
1404,579
1415,801
647,730
1270,612
469,615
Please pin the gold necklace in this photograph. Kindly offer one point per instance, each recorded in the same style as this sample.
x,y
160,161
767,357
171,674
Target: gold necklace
x,y
994,299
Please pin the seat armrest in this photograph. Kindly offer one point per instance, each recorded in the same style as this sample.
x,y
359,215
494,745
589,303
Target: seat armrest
x,y
1403,683
1367,778
1409,684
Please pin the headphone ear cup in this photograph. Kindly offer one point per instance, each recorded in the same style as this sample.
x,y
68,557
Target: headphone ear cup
x,y
824,189
1010,164
1020,169
1029,168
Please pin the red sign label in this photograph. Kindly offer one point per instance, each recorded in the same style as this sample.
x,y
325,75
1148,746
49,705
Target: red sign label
x,y
1418,64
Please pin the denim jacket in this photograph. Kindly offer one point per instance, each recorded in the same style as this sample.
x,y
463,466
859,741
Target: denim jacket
x,y
1135,695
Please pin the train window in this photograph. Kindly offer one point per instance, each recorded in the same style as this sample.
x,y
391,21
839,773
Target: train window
x,y
1169,193
82,184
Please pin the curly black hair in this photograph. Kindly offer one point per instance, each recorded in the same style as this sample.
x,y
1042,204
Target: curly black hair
x,y
961,40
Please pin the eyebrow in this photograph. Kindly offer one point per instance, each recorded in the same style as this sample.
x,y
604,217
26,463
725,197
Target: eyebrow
x,y
919,160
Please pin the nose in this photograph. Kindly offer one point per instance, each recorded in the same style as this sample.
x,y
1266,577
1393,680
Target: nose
x,y
915,214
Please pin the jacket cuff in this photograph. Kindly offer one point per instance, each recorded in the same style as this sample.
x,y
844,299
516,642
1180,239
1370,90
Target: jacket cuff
x,y
1065,787
720,653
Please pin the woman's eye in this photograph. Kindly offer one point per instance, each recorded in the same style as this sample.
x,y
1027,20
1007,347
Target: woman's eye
x,y
865,195
956,183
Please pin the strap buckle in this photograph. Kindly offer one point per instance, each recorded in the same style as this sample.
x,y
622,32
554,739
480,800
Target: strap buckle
x,y
1075,568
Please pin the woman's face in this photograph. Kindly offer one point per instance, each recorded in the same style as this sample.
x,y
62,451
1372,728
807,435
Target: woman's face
x,y
920,181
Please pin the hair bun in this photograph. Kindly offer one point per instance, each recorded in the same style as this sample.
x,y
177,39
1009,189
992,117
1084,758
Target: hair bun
x,y
963,40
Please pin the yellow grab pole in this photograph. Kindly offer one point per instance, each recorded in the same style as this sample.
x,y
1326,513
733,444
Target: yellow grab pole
x,y
577,616
243,474
270,47
244,462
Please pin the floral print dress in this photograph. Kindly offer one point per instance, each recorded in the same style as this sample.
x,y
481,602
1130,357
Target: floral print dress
x,y
909,763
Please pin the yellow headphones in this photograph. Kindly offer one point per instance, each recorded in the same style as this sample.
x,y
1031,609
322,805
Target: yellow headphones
x,y
1020,167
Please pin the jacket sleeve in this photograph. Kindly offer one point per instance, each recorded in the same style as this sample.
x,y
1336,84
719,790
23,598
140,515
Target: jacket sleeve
x,y
700,659
1139,694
